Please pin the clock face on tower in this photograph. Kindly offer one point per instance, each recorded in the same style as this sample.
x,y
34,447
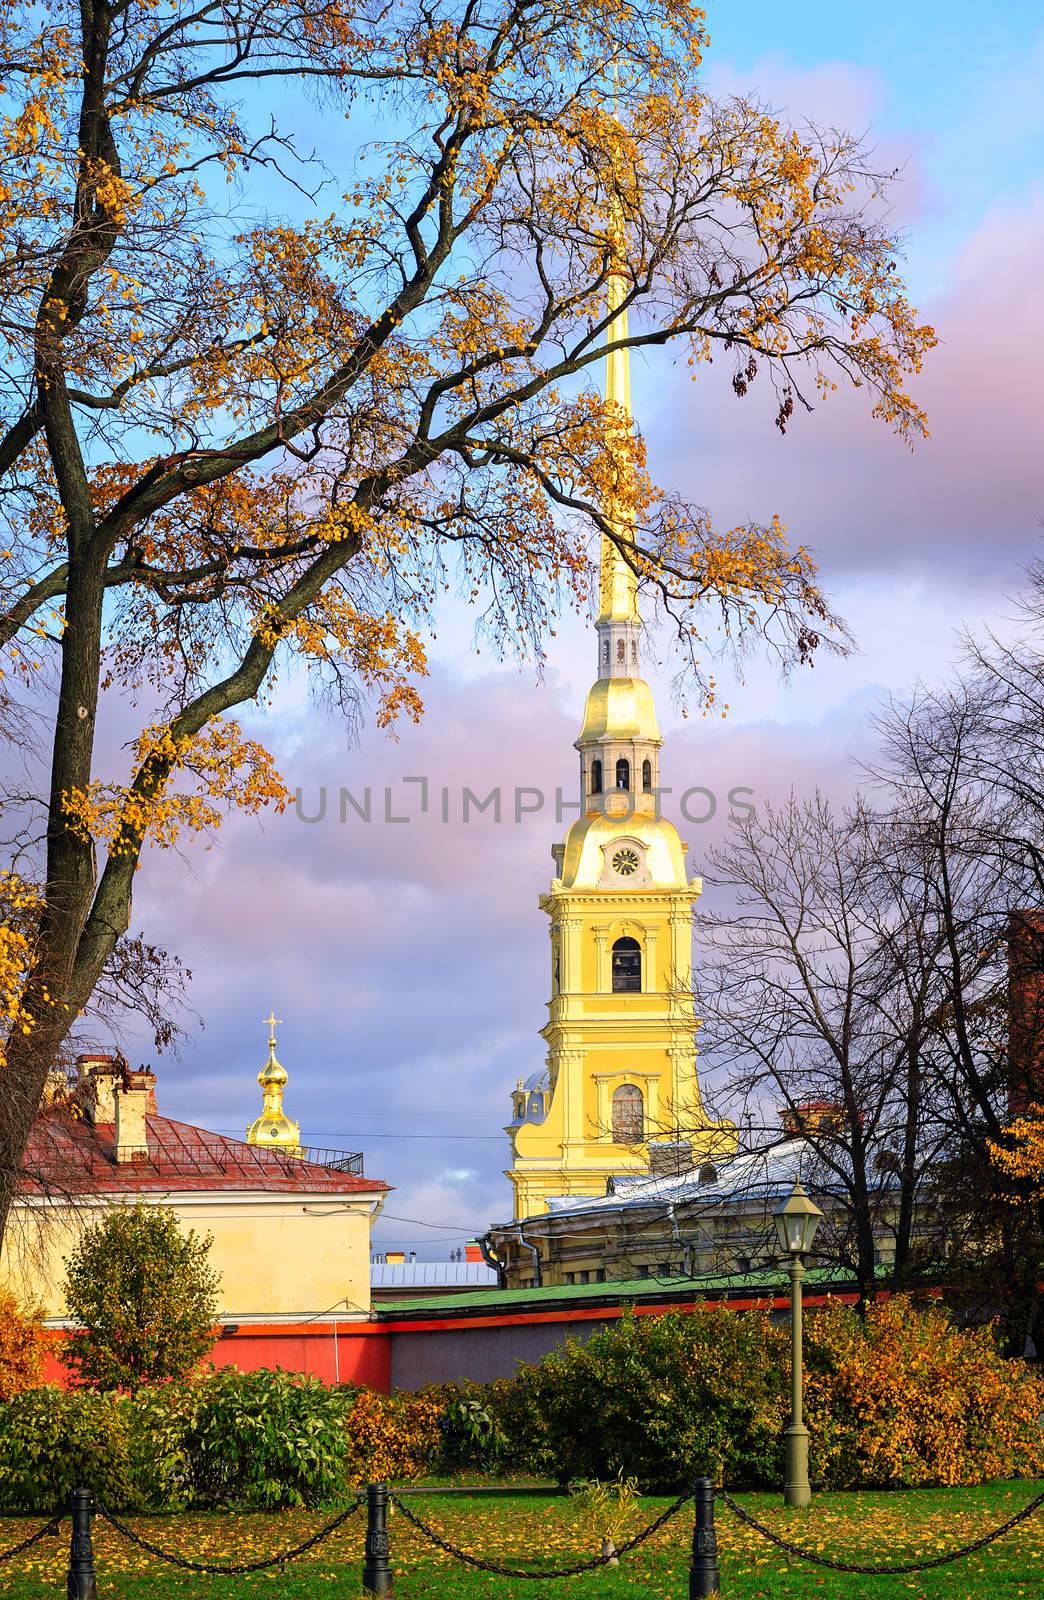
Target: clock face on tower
x,y
625,862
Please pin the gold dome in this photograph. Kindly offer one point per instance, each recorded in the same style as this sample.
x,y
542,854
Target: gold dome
x,y
273,1128
620,708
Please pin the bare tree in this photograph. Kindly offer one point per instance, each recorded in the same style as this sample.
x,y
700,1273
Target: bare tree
x,y
813,998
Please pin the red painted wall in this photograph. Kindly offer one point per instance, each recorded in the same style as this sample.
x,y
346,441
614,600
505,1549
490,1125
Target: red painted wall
x,y
362,1355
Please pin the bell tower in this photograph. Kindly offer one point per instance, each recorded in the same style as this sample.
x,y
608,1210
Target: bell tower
x,y
621,1053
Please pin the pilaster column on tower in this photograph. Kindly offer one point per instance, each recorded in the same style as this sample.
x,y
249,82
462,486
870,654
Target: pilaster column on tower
x,y
571,1087
602,975
569,953
687,1104
680,976
650,969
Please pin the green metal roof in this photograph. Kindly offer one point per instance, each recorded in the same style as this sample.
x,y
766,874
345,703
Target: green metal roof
x,y
556,1297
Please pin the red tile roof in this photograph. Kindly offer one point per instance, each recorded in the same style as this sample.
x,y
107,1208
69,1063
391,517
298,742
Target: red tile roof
x,y
66,1155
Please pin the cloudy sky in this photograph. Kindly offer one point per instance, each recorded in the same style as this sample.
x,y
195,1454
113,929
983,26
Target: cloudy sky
x,y
408,959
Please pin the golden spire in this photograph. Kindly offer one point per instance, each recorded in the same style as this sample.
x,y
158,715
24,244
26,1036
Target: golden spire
x,y
273,1128
618,587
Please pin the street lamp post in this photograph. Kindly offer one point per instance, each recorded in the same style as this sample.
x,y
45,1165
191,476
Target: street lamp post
x,y
796,1223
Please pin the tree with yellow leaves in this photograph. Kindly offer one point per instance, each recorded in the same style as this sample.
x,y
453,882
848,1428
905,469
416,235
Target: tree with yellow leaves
x,y
235,431
1021,1157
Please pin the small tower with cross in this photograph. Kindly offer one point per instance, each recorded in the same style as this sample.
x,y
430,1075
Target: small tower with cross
x,y
273,1129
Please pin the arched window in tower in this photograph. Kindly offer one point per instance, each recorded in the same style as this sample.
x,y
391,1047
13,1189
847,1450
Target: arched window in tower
x,y
634,652
605,652
596,777
646,774
620,651
627,967
623,773
628,1114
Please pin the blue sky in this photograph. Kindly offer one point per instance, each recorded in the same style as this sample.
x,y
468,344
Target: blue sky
x,y
409,961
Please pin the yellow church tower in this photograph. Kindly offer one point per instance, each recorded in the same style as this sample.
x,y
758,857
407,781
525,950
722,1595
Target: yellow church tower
x,y
621,1051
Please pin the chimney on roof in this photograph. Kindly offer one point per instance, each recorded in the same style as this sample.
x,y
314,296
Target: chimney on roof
x,y
814,1117
472,1250
669,1158
56,1088
135,1100
96,1080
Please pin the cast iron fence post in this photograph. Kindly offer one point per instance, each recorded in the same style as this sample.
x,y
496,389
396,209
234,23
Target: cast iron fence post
x,y
377,1573
704,1578
80,1583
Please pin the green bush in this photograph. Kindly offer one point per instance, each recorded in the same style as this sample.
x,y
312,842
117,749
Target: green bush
x,y
146,1299
469,1427
53,1440
159,1426
660,1399
266,1439
256,1440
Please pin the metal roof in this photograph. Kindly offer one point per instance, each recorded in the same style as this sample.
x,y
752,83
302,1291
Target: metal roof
x,y
762,1283
742,1179
69,1155
437,1274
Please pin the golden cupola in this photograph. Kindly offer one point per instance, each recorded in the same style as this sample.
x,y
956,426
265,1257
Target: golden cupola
x,y
273,1128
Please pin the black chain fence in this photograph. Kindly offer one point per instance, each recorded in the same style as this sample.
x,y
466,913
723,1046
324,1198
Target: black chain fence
x,y
704,1574
228,1571
899,1568
434,1537
49,1530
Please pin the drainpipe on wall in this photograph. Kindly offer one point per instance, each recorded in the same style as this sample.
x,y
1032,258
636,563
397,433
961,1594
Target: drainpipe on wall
x,y
490,1257
676,1238
534,1250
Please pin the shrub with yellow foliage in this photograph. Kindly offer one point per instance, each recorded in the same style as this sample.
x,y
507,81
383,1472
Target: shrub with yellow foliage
x,y
905,1398
22,1347
391,1437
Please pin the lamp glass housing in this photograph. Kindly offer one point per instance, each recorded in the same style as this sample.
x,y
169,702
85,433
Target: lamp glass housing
x,y
796,1222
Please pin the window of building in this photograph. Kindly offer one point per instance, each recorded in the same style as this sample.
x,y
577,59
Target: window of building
x,y
643,1270
599,1276
623,773
620,648
634,652
627,967
605,652
570,1277
709,1173
584,1276
647,774
596,777
628,1114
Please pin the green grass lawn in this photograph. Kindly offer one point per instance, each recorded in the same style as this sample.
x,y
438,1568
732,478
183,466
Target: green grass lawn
x,y
527,1532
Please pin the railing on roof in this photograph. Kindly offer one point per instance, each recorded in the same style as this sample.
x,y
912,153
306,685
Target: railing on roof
x,y
230,1158
249,1160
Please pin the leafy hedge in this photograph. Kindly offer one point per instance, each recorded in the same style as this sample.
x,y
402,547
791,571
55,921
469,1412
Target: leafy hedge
x,y
898,1400
256,1440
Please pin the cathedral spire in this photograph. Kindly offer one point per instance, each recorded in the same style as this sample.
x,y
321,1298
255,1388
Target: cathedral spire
x,y
618,587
